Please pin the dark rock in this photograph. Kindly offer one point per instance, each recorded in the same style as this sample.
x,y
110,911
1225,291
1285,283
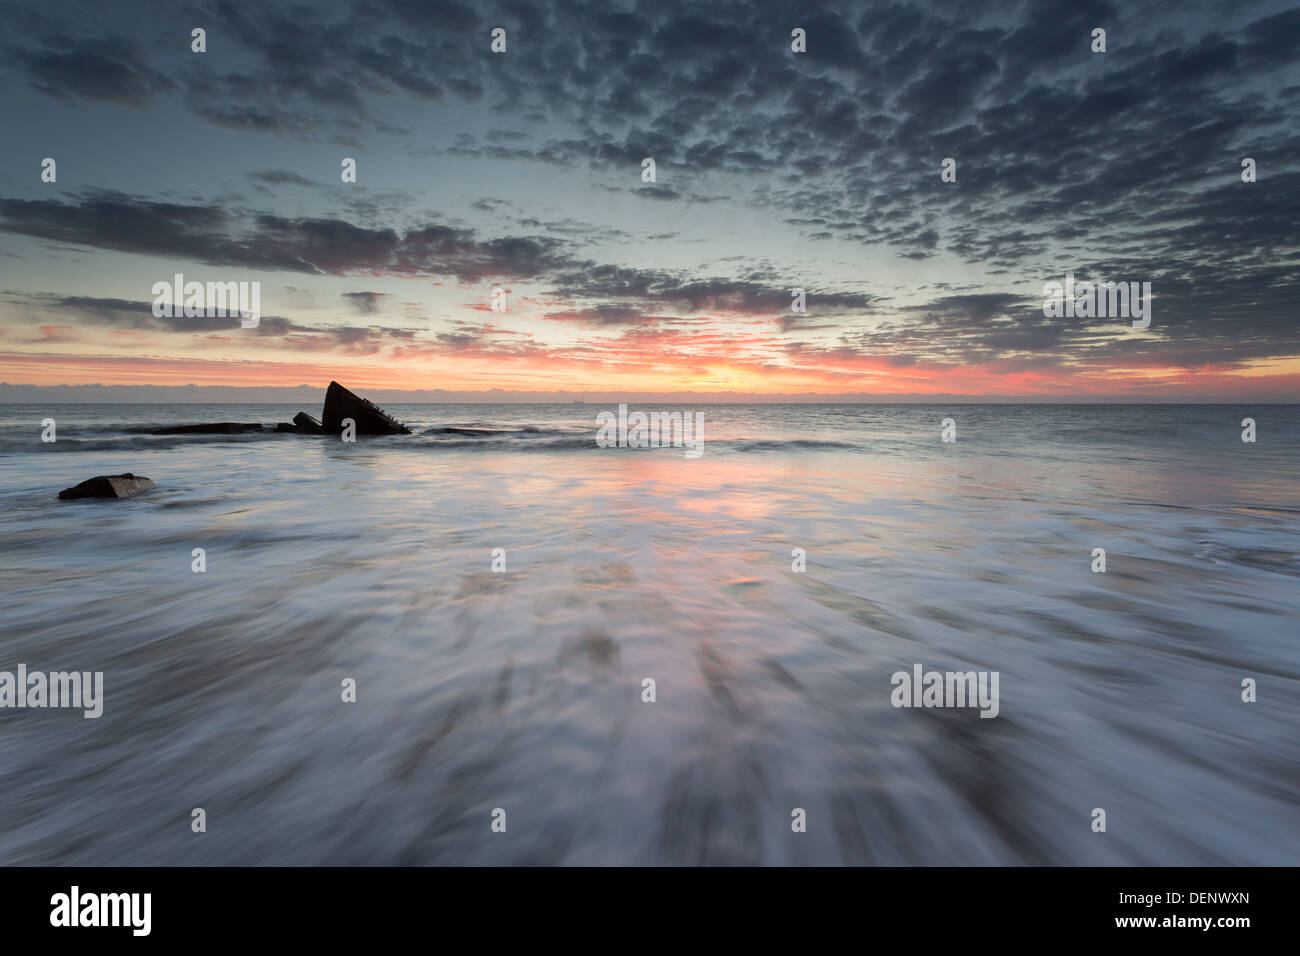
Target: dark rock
x,y
308,425
370,419
286,427
215,428
108,486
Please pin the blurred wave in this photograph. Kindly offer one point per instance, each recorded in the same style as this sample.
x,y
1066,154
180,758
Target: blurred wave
x,y
522,689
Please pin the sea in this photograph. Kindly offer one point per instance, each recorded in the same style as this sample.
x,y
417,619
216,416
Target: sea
x,y
494,641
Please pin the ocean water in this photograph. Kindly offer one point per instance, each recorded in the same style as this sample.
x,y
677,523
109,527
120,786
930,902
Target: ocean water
x,y
522,690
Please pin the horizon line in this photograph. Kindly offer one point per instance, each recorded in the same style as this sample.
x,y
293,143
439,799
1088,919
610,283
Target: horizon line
x,y
192,393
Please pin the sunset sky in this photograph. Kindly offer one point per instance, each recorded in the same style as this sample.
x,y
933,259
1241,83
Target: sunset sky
x,y
775,170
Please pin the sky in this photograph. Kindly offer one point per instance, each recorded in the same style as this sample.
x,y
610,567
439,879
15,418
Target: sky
x,y
775,170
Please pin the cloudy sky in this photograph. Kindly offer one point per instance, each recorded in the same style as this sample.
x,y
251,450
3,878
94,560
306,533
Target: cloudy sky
x,y
775,170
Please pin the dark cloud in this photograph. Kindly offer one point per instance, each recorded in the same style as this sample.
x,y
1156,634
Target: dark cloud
x,y
600,315
367,303
691,295
105,69
127,315
659,192
211,235
281,177
90,312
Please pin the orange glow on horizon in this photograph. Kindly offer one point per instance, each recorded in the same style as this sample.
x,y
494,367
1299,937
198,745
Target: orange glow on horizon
x,y
575,371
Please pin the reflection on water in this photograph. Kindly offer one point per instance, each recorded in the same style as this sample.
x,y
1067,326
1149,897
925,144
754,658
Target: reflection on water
x,y
523,689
